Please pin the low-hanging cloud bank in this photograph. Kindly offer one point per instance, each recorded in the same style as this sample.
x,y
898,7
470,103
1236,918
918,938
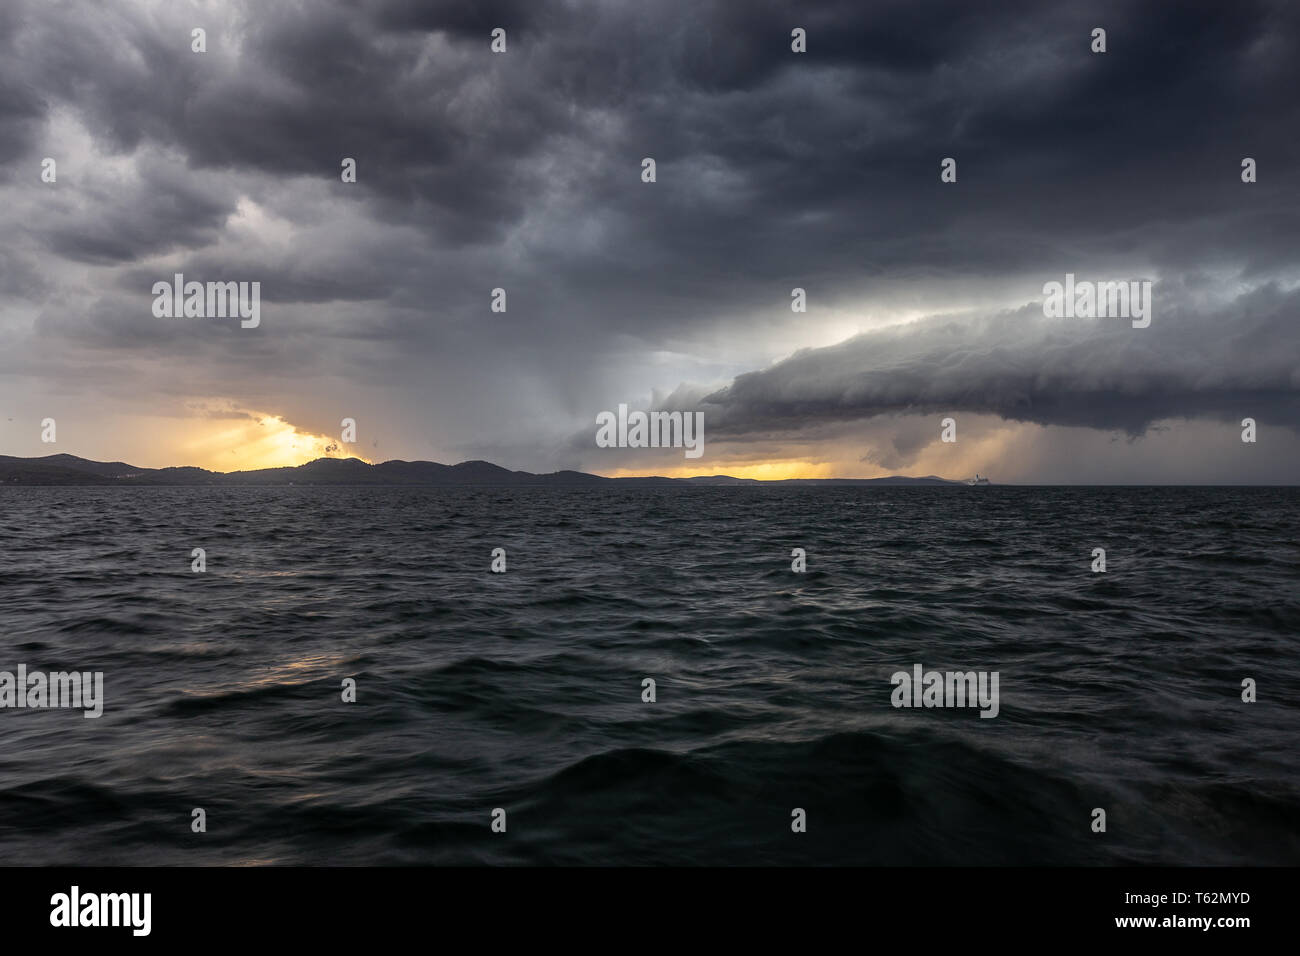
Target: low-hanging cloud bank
x,y
1239,357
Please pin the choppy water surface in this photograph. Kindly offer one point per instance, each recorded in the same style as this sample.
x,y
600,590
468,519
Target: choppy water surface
x,y
523,690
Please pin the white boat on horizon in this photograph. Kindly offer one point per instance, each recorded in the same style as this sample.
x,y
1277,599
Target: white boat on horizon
x,y
977,480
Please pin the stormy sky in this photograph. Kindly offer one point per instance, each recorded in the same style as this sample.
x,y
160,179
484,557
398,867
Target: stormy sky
x,y
522,170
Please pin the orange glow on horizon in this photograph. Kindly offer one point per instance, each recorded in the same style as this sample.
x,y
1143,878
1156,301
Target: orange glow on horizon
x,y
261,441
763,471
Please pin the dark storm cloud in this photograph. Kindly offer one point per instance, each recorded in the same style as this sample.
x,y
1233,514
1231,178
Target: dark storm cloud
x,y
834,155
775,170
1241,358
161,210
21,108
471,21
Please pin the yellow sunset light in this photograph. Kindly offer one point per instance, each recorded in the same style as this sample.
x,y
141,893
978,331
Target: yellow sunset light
x,y
260,441
764,471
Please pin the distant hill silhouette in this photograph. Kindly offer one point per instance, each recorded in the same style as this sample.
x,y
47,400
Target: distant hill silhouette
x,y
71,470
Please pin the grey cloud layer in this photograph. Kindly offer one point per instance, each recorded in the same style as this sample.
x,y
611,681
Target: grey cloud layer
x,y
522,171
1241,358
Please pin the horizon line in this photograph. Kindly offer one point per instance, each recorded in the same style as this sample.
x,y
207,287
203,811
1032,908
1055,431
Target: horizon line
x,y
716,475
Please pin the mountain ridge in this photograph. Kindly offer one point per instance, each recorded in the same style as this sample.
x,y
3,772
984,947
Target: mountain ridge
x,y
63,469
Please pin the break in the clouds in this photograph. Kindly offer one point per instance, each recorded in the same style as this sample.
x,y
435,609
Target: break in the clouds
x,y
775,170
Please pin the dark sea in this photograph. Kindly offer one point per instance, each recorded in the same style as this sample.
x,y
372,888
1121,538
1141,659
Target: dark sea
x,y
523,690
